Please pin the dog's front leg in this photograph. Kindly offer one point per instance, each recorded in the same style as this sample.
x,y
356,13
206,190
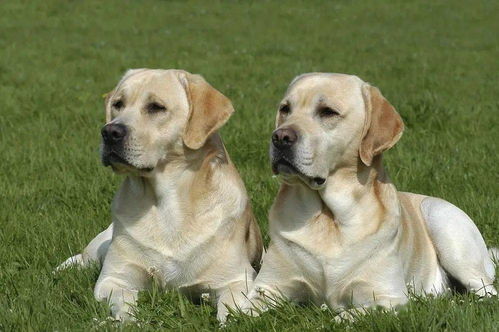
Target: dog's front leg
x,y
279,279
119,283
352,314
360,297
231,297
95,252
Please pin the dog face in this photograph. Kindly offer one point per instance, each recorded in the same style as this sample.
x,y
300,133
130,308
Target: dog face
x,y
327,121
155,116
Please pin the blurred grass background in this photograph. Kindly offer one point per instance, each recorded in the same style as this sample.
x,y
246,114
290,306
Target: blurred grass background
x,y
437,62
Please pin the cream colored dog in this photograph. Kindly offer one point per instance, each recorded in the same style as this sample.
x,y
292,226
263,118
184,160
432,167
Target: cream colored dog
x,y
182,215
341,233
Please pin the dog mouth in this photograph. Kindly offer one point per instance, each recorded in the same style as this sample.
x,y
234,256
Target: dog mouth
x,y
283,167
113,157
115,160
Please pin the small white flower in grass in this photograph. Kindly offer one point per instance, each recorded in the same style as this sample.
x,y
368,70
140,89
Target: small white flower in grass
x,y
152,271
324,307
260,291
205,297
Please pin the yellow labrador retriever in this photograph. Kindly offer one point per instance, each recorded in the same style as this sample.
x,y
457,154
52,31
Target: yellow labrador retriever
x,y
182,215
341,233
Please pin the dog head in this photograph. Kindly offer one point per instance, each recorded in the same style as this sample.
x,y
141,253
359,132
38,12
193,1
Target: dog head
x,y
329,121
154,116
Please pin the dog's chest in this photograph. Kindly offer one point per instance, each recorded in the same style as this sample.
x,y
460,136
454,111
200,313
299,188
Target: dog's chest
x,y
320,251
305,226
317,236
311,241
153,241
158,237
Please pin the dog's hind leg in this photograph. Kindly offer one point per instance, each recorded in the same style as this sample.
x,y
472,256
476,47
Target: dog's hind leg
x,y
459,245
94,253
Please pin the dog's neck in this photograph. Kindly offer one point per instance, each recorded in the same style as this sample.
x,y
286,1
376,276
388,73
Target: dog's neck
x,y
360,197
175,178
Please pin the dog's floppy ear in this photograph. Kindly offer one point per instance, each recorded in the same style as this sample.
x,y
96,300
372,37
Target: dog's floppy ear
x,y
383,126
209,109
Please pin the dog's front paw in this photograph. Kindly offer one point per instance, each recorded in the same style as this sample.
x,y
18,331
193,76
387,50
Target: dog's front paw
x,y
252,307
123,316
349,316
344,316
486,291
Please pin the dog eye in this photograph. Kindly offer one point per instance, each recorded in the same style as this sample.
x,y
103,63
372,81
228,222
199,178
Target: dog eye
x,y
327,112
118,104
285,109
155,107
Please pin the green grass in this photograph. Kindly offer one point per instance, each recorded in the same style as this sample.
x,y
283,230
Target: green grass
x,y
436,62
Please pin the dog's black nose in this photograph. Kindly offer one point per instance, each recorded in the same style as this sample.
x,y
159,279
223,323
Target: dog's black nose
x,y
284,138
113,133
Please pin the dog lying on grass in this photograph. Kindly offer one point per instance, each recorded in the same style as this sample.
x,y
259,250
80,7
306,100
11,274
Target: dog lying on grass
x,y
341,233
182,215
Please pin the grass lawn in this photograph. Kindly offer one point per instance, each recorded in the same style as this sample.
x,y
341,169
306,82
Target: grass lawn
x,y
437,62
